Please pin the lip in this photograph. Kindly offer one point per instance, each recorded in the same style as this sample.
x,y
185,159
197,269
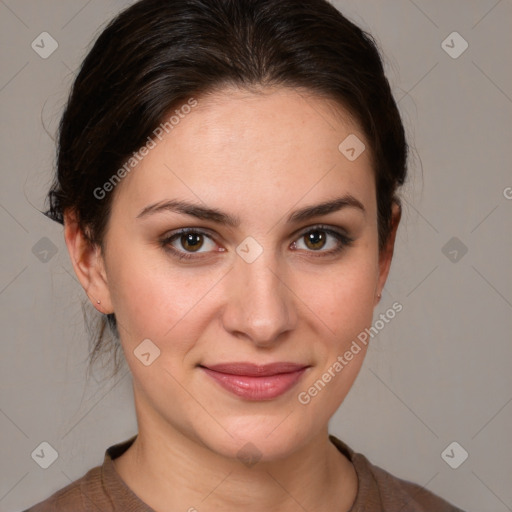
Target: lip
x,y
256,382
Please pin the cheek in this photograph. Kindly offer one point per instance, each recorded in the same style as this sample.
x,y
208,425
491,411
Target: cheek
x,y
343,306
154,298
342,297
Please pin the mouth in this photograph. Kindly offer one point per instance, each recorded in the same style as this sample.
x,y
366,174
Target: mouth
x,y
256,382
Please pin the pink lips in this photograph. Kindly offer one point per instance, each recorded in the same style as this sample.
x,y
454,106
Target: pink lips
x,y
254,382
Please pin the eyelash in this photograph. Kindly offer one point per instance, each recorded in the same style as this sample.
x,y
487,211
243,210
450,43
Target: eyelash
x,y
343,241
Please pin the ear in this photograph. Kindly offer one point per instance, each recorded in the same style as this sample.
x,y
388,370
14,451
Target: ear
x,y
88,264
386,254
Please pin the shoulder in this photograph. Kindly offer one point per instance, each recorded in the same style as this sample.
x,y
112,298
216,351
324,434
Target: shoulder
x,y
381,491
394,491
78,496
100,489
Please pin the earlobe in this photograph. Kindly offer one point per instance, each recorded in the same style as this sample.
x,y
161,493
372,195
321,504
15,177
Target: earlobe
x,y
88,263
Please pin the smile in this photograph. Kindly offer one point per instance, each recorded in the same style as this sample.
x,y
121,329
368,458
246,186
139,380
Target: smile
x,y
254,382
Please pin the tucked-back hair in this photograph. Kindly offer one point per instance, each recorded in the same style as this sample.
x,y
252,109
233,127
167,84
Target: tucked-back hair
x,y
157,54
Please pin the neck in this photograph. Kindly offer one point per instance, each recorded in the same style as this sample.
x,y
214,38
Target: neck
x,y
170,471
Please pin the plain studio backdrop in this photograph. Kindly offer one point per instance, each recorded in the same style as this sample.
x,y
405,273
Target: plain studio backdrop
x,y
435,375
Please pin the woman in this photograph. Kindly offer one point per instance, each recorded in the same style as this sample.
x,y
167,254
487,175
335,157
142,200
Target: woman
x,y
227,179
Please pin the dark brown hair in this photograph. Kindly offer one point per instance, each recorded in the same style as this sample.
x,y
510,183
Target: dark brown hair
x,y
157,54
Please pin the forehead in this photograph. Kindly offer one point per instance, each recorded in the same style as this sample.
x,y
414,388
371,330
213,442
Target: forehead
x,y
295,118
238,143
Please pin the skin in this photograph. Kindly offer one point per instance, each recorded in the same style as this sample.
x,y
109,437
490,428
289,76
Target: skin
x,y
259,156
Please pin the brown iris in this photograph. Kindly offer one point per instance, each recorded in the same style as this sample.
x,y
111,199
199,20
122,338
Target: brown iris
x,y
192,241
315,239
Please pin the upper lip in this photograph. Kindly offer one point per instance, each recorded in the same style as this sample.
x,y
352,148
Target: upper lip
x,y
255,370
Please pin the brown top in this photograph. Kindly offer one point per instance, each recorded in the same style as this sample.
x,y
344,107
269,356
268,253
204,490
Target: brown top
x,y
102,490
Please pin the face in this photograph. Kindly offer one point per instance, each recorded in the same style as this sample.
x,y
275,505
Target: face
x,y
248,311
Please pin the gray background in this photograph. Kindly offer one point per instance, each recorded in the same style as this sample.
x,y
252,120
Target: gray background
x,y
439,372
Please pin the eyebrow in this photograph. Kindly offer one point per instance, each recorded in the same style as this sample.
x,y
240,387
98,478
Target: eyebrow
x,y
216,215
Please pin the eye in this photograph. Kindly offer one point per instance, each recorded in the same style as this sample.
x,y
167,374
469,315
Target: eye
x,y
188,241
323,240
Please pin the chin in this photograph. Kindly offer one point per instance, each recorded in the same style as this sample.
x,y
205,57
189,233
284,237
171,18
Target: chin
x,y
259,438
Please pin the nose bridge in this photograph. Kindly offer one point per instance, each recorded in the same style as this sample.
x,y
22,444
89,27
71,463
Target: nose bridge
x,y
261,307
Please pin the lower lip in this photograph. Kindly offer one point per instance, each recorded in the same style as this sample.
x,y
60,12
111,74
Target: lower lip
x,y
256,388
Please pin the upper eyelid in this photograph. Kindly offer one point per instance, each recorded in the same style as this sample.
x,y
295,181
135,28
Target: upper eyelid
x,y
297,233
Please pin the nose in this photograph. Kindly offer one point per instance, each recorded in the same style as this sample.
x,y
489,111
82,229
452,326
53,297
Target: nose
x,y
260,306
